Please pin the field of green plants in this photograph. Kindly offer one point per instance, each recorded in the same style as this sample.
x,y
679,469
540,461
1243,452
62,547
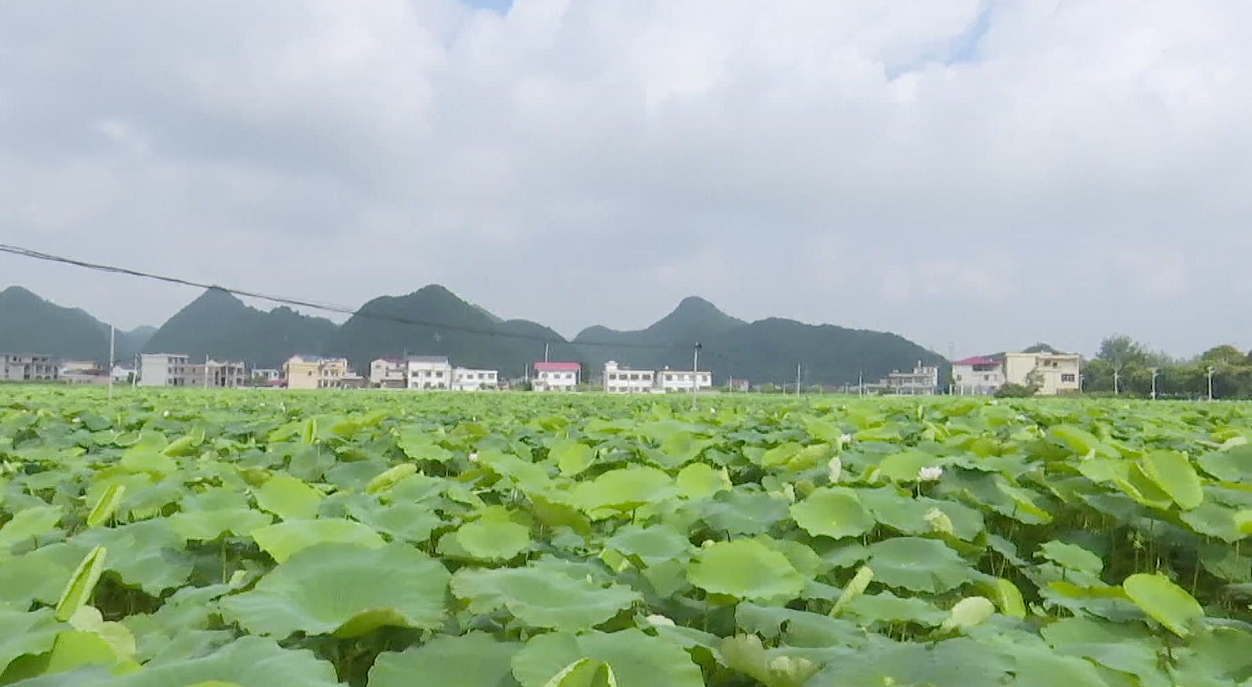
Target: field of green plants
x,y
274,539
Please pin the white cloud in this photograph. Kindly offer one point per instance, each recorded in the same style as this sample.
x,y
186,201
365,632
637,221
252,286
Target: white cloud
x,y
982,172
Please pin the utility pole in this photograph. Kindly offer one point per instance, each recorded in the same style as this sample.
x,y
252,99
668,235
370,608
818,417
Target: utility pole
x,y
113,351
860,382
545,351
206,370
1116,374
1155,374
1209,371
797,379
695,373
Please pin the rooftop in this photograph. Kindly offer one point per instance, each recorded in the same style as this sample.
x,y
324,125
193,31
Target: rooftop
x,y
431,359
977,360
557,367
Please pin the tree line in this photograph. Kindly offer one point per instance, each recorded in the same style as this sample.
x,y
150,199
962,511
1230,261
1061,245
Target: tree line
x,y
1127,367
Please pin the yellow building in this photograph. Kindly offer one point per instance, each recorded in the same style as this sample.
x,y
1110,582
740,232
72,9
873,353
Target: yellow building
x,y
1055,373
315,372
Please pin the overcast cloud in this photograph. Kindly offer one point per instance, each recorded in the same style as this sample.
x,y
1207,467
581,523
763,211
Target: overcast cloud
x,y
972,174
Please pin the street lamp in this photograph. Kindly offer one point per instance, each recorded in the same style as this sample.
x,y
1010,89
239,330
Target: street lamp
x,y
1155,373
1209,371
1116,374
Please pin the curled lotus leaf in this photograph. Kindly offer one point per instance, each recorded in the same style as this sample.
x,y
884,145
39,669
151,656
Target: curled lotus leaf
x,y
542,598
344,590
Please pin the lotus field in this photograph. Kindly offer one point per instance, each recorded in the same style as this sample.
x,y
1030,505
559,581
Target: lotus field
x,y
273,539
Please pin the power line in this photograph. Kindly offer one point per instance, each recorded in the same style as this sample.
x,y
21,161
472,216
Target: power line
x,y
312,305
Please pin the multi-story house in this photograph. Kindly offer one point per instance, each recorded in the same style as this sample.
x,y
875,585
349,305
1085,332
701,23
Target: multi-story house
x,y
315,372
923,380
163,369
1053,373
465,379
976,376
82,372
619,379
25,367
683,380
265,376
428,372
556,376
389,373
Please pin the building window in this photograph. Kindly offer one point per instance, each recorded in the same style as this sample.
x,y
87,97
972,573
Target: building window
x,y
1069,378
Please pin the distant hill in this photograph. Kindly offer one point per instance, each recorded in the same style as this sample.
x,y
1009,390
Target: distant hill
x,y
221,326
764,351
381,328
31,324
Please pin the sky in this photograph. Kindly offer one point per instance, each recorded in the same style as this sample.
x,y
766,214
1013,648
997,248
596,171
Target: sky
x,y
976,175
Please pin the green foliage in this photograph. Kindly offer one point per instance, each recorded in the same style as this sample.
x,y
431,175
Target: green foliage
x,y
502,540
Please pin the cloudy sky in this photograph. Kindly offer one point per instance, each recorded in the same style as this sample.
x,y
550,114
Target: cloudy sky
x,y
974,174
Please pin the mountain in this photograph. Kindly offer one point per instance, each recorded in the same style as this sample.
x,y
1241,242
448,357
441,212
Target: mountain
x,y
764,351
135,339
219,325
466,333
30,324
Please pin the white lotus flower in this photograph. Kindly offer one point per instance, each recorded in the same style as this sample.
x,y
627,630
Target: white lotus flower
x,y
473,457
76,420
835,469
845,440
660,620
930,473
165,413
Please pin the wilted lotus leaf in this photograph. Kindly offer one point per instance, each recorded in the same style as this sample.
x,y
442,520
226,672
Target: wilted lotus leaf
x,y
833,512
344,590
745,569
473,660
283,539
919,565
542,597
637,659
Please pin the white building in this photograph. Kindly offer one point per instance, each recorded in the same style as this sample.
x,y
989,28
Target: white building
x,y
623,380
428,372
1055,373
684,380
389,373
977,376
466,379
28,368
923,380
83,372
163,369
266,375
556,376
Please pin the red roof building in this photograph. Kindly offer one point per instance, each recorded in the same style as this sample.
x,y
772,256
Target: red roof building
x,y
556,376
557,367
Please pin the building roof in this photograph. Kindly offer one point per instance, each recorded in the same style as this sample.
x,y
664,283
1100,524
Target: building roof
x,y
435,359
557,367
977,360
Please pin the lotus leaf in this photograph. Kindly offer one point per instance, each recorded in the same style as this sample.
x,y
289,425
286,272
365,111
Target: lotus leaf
x,y
745,569
344,590
637,659
624,490
542,598
1166,602
472,660
916,564
289,498
282,540
833,512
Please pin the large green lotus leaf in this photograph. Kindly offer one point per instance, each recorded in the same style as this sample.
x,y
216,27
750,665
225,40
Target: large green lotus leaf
x,y
739,512
39,575
288,497
1071,556
906,465
572,457
1233,465
528,476
918,565
1171,471
23,633
28,524
745,569
246,662
1166,602
1041,668
911,515
473,660
1125,647
1221,654
624,490
207,525
747,655
637,659
651,545
889,608
1099,600
420,445
833,512
798,628
803,558
542,598
149,554
1213,520
402,521
1138,486
494,536
1081,442
344,590
960,661
701,480
282,540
